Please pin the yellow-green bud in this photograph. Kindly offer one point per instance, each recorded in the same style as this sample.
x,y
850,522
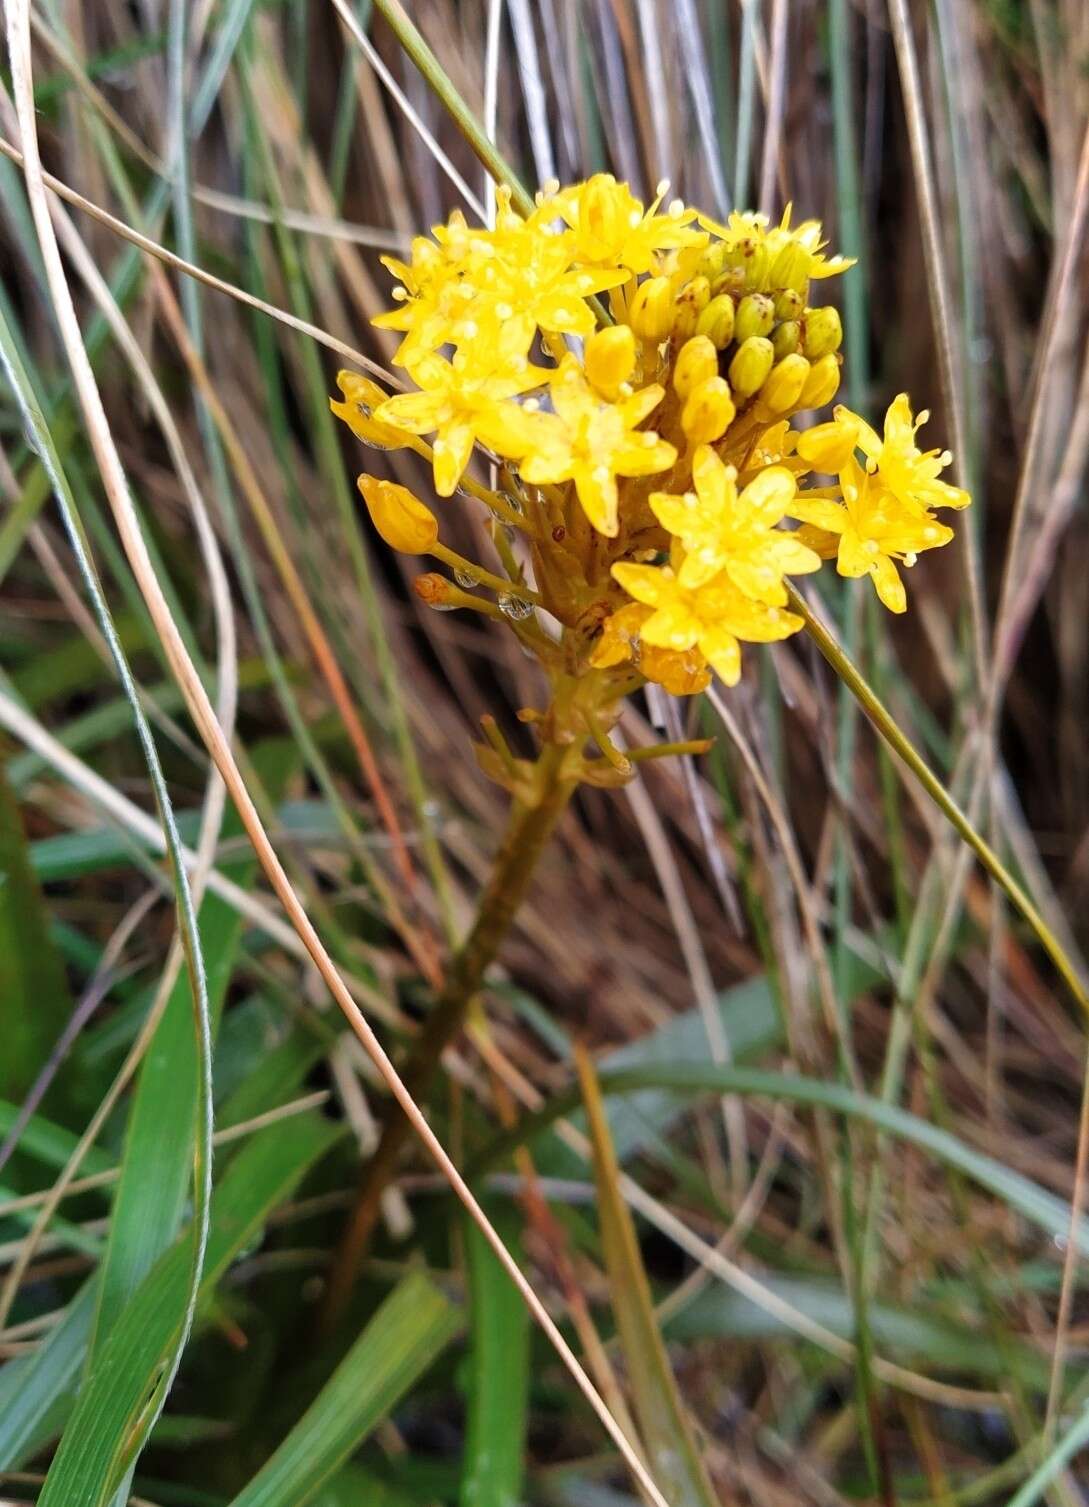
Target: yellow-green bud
x,y
822,384
697,360
731,280
755,316
790,268
609,358
756,265
403,521
823,332
751,365
691,301
717,321
783,388
712,261
651,311
709,411
789,304
786,338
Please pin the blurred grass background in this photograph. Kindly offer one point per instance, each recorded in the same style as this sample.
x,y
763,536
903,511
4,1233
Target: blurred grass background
x,y
854,1278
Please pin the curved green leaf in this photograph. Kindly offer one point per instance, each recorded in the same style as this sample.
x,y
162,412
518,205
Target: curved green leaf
x,y
402,1339
694,1079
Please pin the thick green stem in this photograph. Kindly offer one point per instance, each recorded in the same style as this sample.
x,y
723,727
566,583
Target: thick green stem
x,y
530,826
902,746
409,36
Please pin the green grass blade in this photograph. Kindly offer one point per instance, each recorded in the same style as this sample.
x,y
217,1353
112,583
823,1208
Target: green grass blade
x,y
34,1000
1057,1458
36,1390
35,424
402,1339
110,1417
47,1142
667,1436
691,1080
912,1336
150,1199
498,1387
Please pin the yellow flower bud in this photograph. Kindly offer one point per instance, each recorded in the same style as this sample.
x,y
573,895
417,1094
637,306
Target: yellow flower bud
x,y
731,280
755,316
717,321
651,311
789,304
712,261
783,388
709,411
828,447
691,302
790,268
609,358
822,384
786,338
823,332
697,360
361,397
751,365
756,268
400,518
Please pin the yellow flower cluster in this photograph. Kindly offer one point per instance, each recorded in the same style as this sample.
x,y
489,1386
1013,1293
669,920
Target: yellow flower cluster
x,y
633,373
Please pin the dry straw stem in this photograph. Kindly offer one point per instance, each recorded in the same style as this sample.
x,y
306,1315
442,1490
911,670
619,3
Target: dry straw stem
x,y
902,746
941,306
116,485
209,279
132,819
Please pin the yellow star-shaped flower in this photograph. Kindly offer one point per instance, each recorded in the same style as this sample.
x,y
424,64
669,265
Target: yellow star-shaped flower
x,y
588,441
611,227
711,618
533,279
462,401
869,531
722,529
908,472
681,673
893,457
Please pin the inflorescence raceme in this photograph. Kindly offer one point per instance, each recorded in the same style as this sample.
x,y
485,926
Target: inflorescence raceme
x,y
646,457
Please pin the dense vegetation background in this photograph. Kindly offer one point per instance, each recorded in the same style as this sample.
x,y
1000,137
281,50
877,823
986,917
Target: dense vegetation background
x,y
863,1261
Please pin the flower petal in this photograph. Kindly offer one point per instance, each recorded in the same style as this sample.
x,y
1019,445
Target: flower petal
x,y
451,451
768,496
723,652
888,585
646,583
